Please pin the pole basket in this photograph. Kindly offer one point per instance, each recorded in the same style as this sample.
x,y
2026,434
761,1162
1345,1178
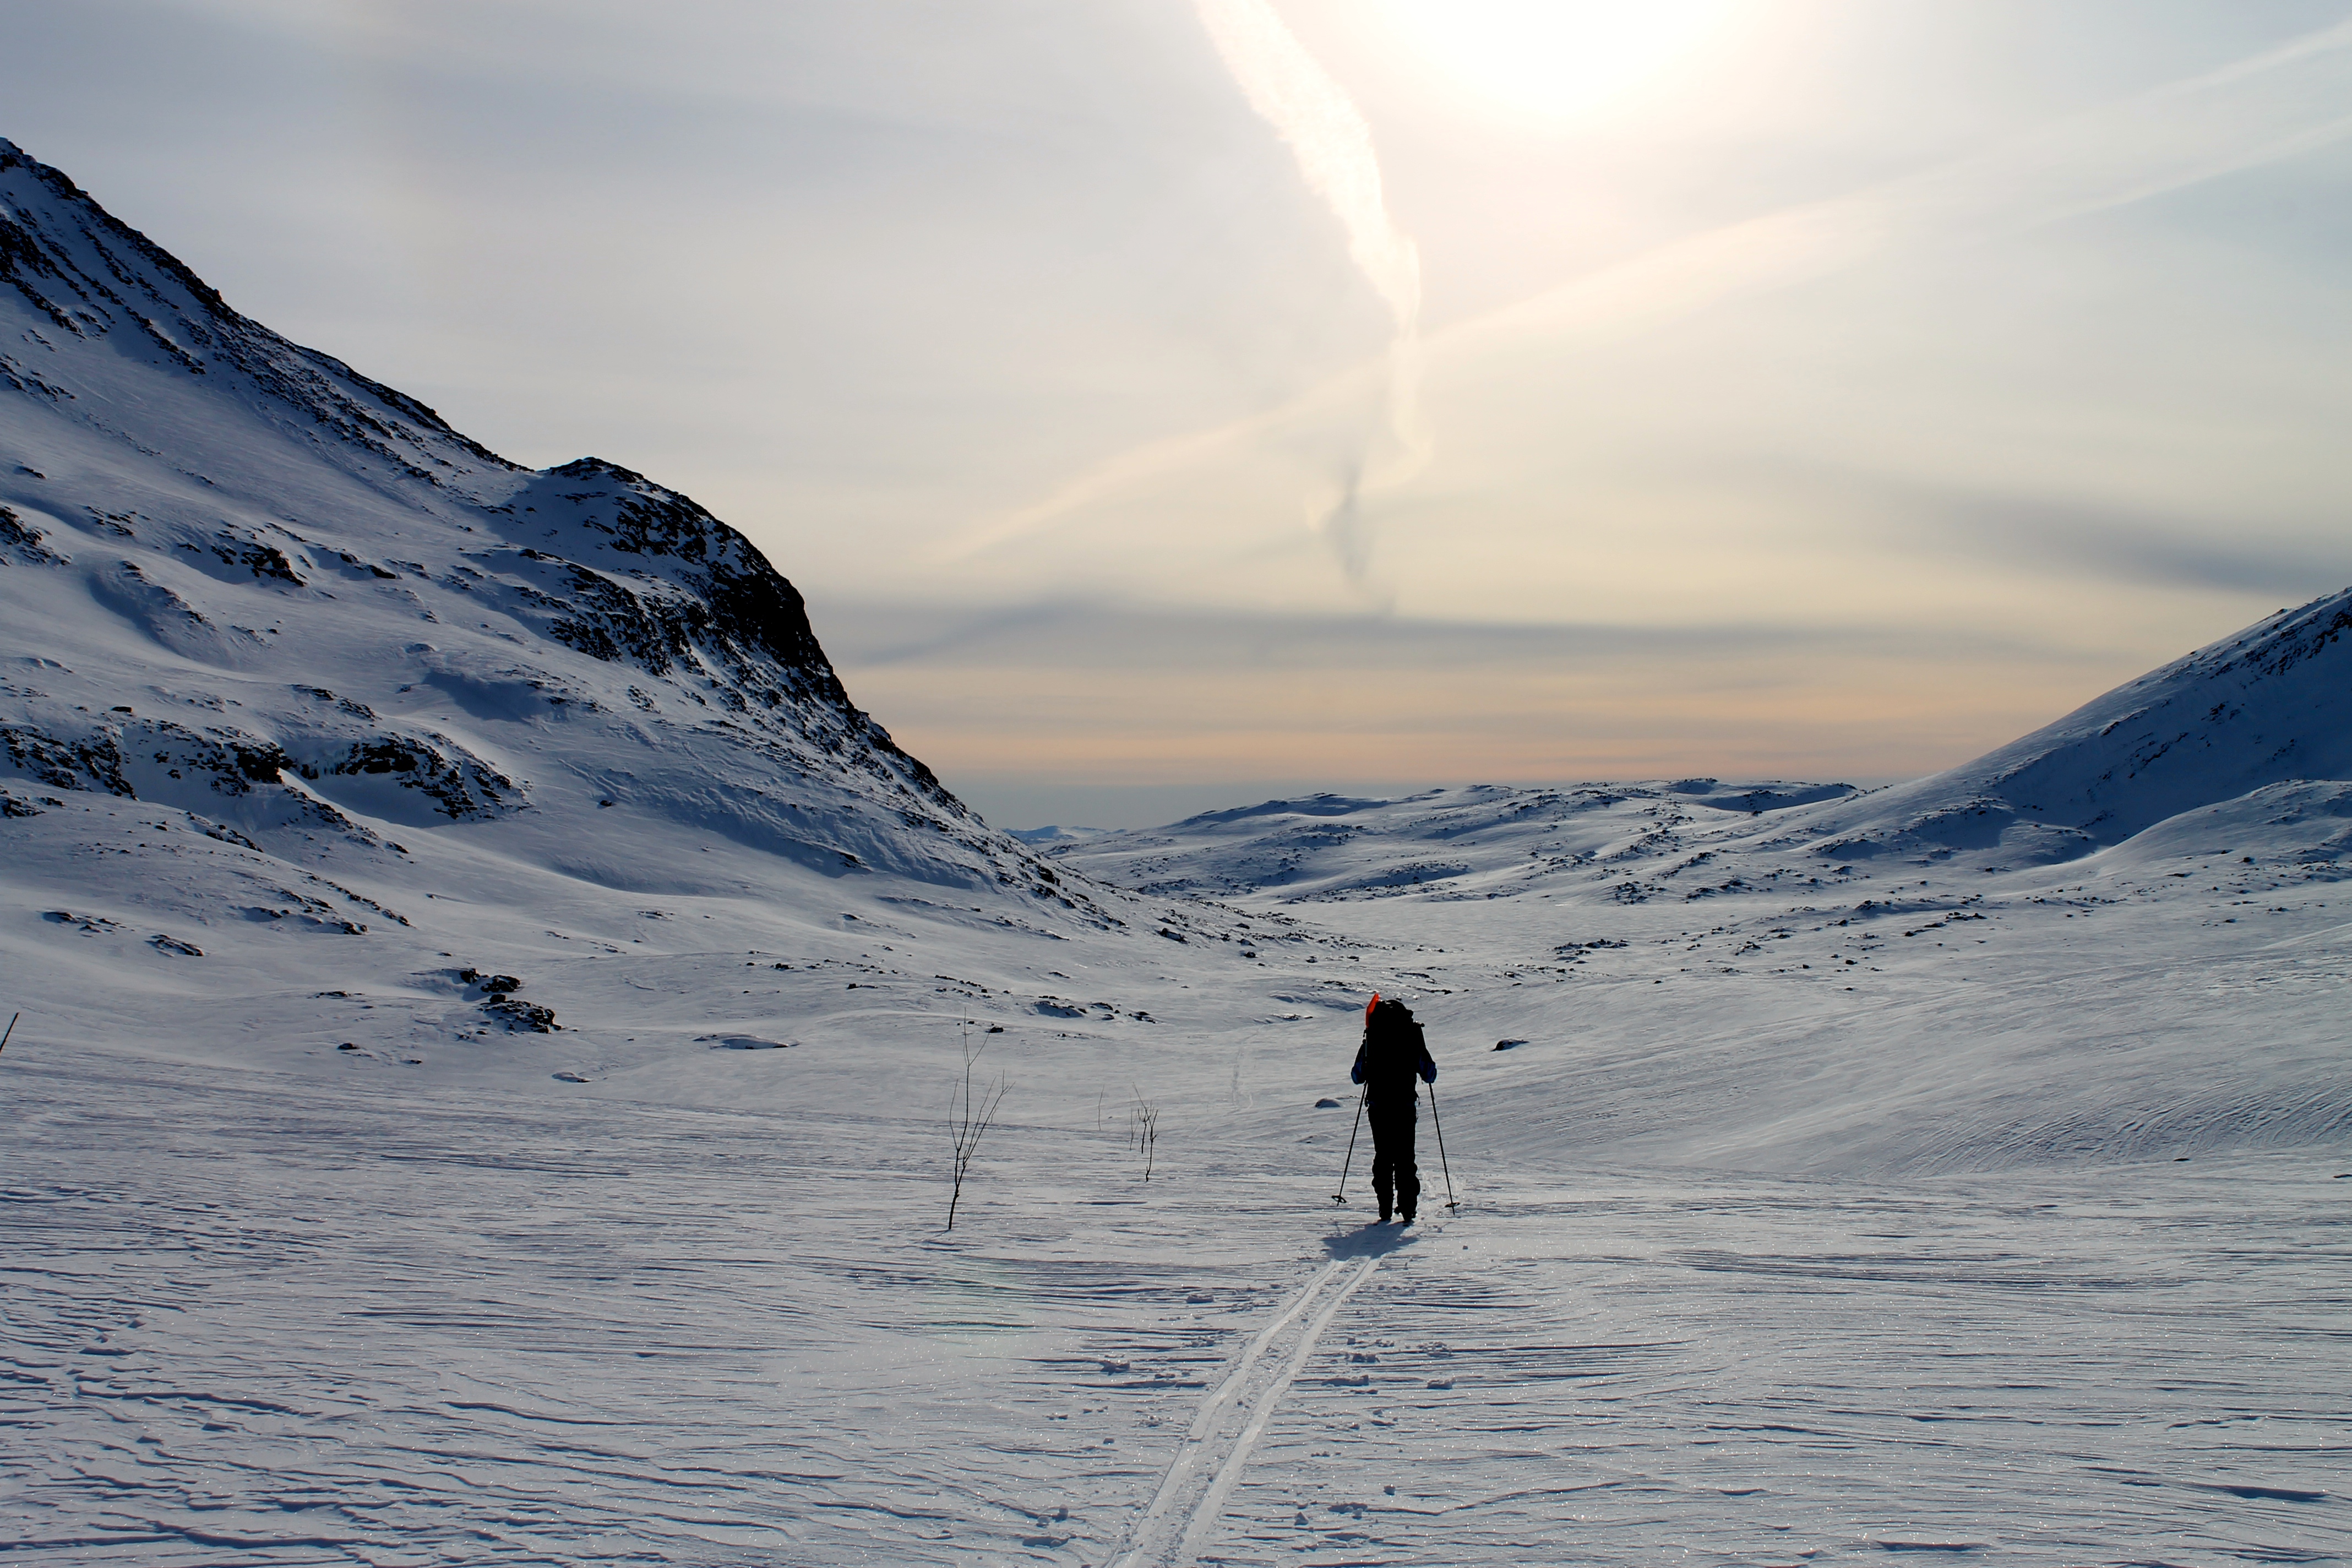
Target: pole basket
x,y
1452,1206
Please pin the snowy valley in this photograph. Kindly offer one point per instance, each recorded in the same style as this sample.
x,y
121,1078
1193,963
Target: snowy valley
x,y
490,1001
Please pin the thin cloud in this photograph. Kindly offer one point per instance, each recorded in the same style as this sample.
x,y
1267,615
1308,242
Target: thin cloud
x,y
1332,143
1327,136
2257,111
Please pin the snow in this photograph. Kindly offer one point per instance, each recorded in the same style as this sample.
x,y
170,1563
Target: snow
x,y
1951,1168
1056,832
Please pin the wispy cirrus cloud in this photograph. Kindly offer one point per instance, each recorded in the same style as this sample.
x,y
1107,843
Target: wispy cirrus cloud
x,y
2264,109
1333,145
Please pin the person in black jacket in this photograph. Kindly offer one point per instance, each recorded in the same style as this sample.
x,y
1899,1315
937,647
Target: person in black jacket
x,y
1393,1055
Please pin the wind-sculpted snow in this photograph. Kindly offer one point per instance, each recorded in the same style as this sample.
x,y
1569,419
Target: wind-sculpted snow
x,y
367,1317
490,1000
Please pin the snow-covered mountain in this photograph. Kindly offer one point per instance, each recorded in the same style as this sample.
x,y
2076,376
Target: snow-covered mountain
x,y
2267,706
246,581
319,713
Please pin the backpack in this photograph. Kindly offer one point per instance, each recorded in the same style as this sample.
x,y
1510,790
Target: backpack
x,y
1392,1048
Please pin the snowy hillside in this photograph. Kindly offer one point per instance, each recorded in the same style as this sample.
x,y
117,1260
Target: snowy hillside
x,y
490,1006
334,666
2268,705
252,583
1482,842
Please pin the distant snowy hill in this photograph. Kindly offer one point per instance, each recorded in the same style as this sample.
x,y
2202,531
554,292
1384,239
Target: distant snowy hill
x,y
2259,721
2270,705
1485,841
1056,832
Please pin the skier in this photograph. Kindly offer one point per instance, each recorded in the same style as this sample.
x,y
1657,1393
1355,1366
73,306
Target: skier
x,y
1392,1053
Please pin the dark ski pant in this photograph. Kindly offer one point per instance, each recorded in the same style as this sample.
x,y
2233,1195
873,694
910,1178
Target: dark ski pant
x,y
1393,1167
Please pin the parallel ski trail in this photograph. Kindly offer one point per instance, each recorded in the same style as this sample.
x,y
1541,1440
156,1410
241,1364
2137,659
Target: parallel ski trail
x,y
1152,1528
1198,1522
1203,1525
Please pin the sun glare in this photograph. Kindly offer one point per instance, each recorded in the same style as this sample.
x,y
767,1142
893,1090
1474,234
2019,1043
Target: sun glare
x,y
1555,59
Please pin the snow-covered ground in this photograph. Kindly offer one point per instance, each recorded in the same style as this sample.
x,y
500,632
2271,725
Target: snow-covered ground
x,y
325,1306
491,1005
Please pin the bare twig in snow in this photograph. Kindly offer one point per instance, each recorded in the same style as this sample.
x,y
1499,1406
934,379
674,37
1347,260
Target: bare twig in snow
x,y
970,1117
1143,1131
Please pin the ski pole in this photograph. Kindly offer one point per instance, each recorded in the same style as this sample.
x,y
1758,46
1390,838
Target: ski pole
x,y
1442,1165
1341,1195
12,1029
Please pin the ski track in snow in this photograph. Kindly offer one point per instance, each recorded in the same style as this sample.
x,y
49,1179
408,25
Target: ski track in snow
x,y
1201,1529
1154,1524
252,1321
1196,1525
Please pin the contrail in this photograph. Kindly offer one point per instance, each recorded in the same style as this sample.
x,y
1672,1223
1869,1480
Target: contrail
x,y
1333,146
2253,111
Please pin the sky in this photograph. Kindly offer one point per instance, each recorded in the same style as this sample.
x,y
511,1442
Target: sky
x,y
1169,403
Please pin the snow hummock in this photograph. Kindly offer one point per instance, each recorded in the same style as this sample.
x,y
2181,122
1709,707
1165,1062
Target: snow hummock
x,y
490,1001
1056,832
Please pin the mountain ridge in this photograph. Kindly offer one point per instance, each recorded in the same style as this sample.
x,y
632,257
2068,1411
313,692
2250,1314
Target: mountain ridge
x,y
2237,720
51,236
2269,704
245,507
